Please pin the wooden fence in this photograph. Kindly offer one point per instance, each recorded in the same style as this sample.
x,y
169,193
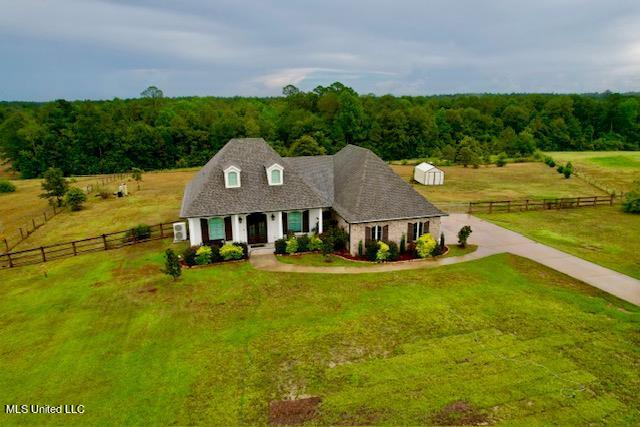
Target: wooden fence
x,y
539,204
104,242
12,239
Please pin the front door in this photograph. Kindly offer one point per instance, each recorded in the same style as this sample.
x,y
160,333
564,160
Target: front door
x,y
257,228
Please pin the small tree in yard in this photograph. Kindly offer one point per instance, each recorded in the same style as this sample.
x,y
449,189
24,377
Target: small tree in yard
x,y
172,265
631,202
463,236
54,186
74,198
136,174
501,161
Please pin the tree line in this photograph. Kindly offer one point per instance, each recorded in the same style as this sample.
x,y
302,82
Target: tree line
x,y
154,132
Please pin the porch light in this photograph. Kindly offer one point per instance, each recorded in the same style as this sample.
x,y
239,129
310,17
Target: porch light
x,y
240,219
273,217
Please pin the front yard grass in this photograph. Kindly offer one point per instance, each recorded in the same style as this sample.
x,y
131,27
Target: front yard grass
x,y
604,235
514,181
509,339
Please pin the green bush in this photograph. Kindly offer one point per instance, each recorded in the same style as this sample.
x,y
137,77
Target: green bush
x,y
383,252
340,238
394,253
425,245
7,186
360,248
139,232
74,198
280,246
203,255
403,244
371,250
172,265
189,255
631,202
303,243
560,169
501,161
230,251
567,173
463,236
244,247
215,253
292,245
315,244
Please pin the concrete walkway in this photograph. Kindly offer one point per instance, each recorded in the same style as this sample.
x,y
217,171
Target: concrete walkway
x,y
491,239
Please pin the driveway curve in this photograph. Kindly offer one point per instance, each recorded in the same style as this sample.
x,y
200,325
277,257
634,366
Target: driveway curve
x,y
491,239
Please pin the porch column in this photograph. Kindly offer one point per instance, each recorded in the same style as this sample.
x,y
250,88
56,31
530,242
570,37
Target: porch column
x,y
279,234
320,221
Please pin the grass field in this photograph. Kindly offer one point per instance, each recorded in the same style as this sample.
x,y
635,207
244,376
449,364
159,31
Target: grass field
x,y
604,235
512,340
616,170
515,181
158,200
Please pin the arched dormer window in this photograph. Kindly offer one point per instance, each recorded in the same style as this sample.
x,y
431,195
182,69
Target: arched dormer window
x,y
275,174
232,177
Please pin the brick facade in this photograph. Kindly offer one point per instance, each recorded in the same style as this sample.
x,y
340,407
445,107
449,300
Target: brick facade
x,y
396,229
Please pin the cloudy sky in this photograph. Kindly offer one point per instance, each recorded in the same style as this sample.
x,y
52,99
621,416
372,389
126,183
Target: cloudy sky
x,y
78,49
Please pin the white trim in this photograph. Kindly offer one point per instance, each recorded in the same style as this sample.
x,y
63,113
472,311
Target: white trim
x,y
275,166
226,176
377,232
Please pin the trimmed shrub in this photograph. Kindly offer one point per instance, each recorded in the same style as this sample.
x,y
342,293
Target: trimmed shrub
x,y
172,265
280,246
560,169
371,250
139,232
203,255
425,245
631,202
230,251
394,253
360,248
303,243
215,253
7,186
567,173
403,244
244,247
463,236
292,245
189,255
501,161
411,249
327,244
74,198
315,244
340,238
383,252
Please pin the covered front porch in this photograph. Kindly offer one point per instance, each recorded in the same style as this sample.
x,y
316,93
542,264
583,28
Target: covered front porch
x,y
254,228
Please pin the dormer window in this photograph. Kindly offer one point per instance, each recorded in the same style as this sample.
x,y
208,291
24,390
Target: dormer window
x,y
232,177
275,174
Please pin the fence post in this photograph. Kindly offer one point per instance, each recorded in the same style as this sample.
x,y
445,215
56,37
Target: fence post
x,y
578,202
526,205
10,261
73,245
21,234
161,231
6,245
470,207
104,241
33,221
44,258
611,200
490,207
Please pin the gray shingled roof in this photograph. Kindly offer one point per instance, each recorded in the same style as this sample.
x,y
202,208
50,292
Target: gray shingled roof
x,y
354,181
206,194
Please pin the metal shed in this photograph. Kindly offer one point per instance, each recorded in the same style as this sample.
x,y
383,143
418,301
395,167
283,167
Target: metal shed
x,y
427,174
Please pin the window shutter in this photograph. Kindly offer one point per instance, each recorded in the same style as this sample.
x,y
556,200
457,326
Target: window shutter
x,y
410,232
204,226
385,233
425,227
285,228
367,234
228,233
305,221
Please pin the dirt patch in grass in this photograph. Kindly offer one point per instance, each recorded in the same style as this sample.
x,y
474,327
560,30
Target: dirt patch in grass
x,y
293,412
460,413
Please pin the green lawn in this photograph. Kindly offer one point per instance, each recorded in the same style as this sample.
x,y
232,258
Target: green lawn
x,y
616,170
604,235
517,342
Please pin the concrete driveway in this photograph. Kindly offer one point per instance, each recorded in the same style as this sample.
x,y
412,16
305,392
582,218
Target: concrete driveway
x,y
495,239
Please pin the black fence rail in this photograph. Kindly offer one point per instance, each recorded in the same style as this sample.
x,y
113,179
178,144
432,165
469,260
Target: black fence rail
x,y
100,243
540,204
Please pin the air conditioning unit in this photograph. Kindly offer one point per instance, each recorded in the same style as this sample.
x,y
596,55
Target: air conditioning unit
x,y
179,232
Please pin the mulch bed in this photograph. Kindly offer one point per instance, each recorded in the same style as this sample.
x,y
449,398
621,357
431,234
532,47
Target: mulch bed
x,y
403,257
293,412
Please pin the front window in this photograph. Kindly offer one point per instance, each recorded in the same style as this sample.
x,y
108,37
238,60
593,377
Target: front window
x,y
376,232
294,222
276,177
216,229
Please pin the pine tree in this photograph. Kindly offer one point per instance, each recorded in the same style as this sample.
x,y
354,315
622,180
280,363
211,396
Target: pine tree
x,y
172,265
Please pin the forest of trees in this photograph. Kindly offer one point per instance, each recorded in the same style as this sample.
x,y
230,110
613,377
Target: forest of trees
x,y
153,132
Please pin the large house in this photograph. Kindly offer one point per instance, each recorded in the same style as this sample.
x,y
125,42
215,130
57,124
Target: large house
x,y
249,193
